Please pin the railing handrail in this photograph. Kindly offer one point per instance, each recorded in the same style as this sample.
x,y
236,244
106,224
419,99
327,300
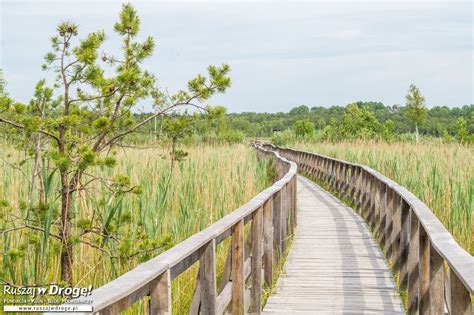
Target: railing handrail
x,y
138,280
458,259
411,236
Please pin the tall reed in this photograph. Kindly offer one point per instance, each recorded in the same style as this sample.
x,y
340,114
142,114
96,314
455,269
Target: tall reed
x,y
173,205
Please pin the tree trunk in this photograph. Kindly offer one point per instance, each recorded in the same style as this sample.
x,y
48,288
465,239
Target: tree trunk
x,y
66,249
416,133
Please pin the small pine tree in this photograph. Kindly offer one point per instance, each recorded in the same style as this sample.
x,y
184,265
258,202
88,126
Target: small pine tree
x,y
92,112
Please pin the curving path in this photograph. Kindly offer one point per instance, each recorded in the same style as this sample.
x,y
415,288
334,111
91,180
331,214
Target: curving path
x,y
334,264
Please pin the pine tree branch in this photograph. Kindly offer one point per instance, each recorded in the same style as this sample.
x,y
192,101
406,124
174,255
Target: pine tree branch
x,y
20,126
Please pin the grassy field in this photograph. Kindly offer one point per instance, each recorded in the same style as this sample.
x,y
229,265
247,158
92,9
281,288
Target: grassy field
x,y
210,183
441,175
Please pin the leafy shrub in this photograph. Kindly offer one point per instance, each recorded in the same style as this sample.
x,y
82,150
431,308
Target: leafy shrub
x,y
282,138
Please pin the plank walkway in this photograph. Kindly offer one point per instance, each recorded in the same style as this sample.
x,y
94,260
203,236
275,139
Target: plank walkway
x,y
334,264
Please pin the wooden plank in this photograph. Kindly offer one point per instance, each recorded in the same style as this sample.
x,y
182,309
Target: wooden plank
x,y
424,266
207,279
225,297
460,298
436,283
285,202
358,185
268,241
396,230
382,217
365,195
227,270
404,244
334,264
372,215
294,188
413,272
376,214
238,268
388,222
160,295
277,223
257,251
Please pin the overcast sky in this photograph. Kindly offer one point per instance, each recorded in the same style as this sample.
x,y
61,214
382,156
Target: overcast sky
x,y
282,54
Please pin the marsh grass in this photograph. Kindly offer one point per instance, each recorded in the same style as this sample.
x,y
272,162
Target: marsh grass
x,y
174,204
441,175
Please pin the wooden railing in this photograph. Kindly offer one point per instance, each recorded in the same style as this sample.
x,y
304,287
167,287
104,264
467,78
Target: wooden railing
x,y
435,271
250,260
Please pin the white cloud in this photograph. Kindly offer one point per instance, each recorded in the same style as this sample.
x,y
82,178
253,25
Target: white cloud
x,y
281,53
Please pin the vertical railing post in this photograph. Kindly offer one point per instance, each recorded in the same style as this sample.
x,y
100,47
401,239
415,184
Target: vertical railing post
x,y
352,184
344,188
322,168
460,298
328,171
436,282
238,283
277,223
424,266
207,278
381,188
413,271
366,204
388,221
268,246
396,230
340,177
362,197
348,178
160,295
294,186
374,203
404,243
284,223
372,220
256,262
358,188
333,174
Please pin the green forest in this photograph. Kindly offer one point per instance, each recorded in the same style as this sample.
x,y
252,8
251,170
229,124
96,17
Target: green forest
x,y
359,120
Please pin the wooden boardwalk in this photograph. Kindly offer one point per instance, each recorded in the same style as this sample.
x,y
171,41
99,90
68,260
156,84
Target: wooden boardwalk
x,y
334,264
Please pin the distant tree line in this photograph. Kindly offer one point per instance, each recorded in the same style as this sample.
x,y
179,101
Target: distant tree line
x,y
359,120
440,120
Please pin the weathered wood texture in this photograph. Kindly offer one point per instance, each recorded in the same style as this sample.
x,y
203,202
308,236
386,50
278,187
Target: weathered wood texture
x,y
414,240
334,264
